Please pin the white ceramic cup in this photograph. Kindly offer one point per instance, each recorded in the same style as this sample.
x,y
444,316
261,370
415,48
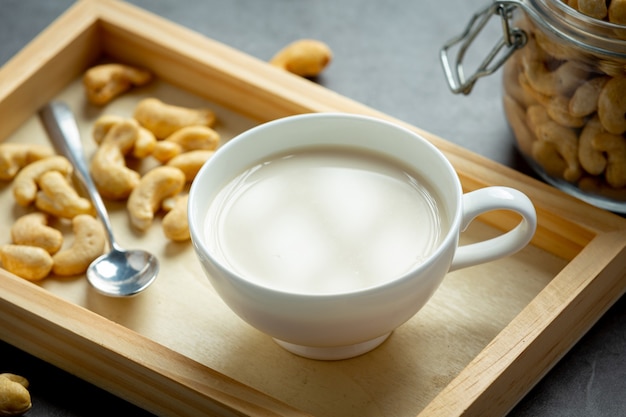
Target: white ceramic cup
x,y
347,324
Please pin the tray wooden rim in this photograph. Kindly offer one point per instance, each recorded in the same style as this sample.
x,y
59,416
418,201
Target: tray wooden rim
x,y
167,383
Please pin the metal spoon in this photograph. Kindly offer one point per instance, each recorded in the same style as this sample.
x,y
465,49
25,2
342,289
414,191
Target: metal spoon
x,y
119,273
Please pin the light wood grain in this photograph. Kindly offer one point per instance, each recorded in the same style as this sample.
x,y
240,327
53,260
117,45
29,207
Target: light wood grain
x,y
54,58
486,337
540,334
111,356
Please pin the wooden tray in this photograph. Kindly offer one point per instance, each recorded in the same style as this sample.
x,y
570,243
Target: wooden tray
x,y
487,336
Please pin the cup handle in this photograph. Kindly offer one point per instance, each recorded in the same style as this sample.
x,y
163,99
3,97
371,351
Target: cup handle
x,y
489,199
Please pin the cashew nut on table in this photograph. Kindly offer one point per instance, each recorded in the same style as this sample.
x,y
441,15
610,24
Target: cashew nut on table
x,y
175,223
103,125
112,177
32,229
29,262
164,119
143,144
15,156
304,57
105,82
89,243
25,182
14,396
59,198
190,162
186,139
156,185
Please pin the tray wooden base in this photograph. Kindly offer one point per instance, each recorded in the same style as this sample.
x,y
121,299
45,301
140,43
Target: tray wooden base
x,y
488,335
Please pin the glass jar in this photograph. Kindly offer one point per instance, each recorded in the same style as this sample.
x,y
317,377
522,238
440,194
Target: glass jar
x,y
564,91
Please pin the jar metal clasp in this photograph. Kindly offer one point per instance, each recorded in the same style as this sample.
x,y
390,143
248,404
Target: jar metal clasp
x,y
513,38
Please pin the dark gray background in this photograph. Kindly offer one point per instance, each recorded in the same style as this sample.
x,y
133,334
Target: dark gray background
x,y
386,56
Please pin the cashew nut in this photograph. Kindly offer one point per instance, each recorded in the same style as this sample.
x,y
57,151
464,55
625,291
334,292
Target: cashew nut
x,y
572,3
123,135
16,378
549,158
584,101
512,87
617,12
612,105
15,156
545,152
556,106
561,81
25,182
596,185
105,82
89,242
190,162
175,223
29,262
304,57
592,160
537,115
108,166
164,119
143,144
14,396
165,150
103,125
32,229
188,138
593,8
517,119
565,141
195,137
59,198
558,109
615,148
158,183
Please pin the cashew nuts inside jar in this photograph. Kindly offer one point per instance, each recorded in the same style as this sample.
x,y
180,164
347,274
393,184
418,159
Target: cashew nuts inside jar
x,y
564,93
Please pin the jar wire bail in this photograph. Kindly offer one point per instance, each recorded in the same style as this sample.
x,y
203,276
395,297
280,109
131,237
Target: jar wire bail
x,y
513,38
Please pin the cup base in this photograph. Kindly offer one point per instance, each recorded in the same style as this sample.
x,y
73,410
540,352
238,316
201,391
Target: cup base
x,y
333,353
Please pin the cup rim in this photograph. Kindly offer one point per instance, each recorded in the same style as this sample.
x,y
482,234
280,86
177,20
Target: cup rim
x,y
199,241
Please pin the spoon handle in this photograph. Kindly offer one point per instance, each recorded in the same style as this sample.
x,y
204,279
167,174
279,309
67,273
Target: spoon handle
x,y
60,123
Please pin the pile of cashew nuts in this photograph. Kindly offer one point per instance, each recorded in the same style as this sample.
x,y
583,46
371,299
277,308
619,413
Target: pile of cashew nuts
x,y
42,180
179,139
568,110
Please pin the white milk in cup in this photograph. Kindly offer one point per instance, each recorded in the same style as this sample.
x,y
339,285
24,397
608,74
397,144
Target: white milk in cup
x,y
325,220
327,231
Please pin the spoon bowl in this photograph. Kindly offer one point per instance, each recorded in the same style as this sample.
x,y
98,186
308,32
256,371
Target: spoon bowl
x,y
126,272
120,272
